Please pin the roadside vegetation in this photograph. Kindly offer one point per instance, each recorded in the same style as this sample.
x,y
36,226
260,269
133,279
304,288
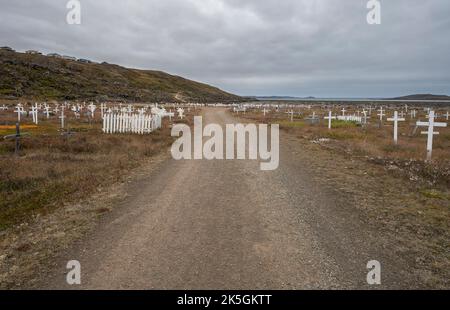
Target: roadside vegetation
x,y
54,169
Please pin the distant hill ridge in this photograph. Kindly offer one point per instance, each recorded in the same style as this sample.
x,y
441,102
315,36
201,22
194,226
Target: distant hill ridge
x,y
423,97
34,76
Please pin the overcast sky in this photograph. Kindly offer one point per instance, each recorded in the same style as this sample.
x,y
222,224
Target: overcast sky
x,y
322,48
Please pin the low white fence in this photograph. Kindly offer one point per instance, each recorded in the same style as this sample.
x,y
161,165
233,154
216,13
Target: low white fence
x,y
130,123
350,118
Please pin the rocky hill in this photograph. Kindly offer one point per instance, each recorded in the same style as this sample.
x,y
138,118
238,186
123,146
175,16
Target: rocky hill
x,y
35,76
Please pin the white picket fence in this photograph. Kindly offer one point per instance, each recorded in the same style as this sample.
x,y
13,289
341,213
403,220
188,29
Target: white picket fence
x,y
130,123
350,118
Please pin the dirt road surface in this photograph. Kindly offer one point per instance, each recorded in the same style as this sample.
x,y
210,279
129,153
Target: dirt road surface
x,y
228,225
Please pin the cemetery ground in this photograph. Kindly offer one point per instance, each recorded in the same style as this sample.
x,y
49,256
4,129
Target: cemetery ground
x,y
374,142
315,222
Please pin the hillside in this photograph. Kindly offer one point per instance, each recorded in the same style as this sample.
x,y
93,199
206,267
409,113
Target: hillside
x,y
423,97
42,77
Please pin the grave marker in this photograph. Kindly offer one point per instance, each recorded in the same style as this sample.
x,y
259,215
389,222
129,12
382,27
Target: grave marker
x,y
329,118
17,138
180,113
292,114
431,124
365,116
381,114
19,111
313,119
396,119
92,109
34,112
47,111
62,117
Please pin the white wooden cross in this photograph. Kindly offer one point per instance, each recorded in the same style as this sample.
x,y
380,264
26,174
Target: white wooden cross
x,y
34,112
329,118
19,111
62,117
396,119
447,115
292,115
4,108
47,111
343,111
413,113
431,124
402,114
365,116
381,114
92,109
180,113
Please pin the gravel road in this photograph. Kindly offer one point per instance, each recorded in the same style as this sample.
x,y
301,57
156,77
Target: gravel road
x,y
228,225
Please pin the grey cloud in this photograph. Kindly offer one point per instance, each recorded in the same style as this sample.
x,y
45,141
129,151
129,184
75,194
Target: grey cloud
x,y
252,47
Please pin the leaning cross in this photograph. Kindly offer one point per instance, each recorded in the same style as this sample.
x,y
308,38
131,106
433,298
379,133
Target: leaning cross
x,y
365,116
431,124
396,119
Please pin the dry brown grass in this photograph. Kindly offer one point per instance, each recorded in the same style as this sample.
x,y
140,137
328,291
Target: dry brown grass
x,y
53,170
